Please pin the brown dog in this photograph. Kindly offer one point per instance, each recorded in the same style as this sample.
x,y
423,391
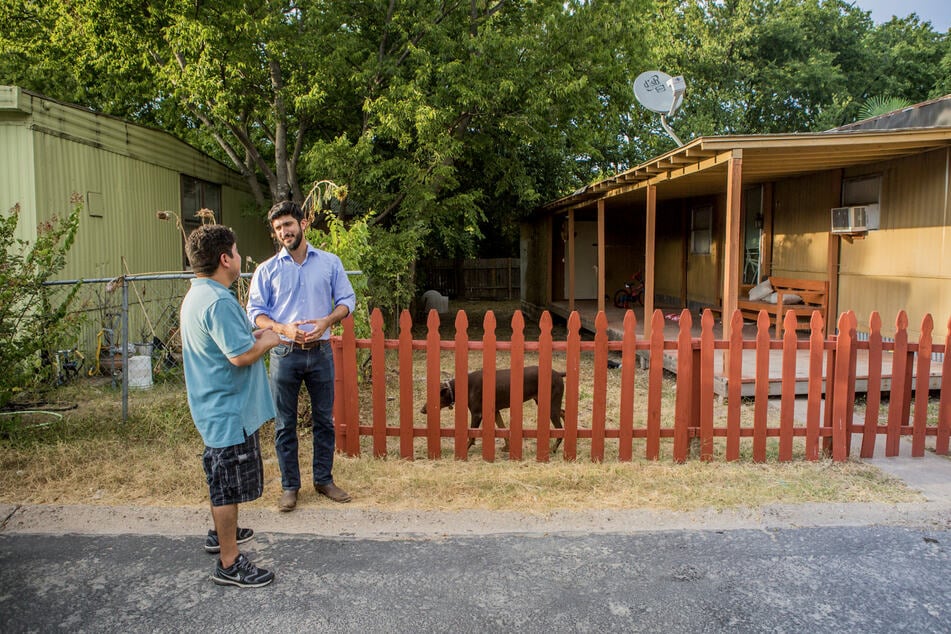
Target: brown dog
x,y
503,396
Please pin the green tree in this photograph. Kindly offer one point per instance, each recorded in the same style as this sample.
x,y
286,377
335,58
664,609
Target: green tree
x,y
431,113
762,66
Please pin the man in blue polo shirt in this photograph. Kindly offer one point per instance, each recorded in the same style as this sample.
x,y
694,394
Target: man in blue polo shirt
x,y
300,293
228,396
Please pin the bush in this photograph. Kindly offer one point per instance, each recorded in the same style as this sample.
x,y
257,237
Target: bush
x,y
385,258
32,327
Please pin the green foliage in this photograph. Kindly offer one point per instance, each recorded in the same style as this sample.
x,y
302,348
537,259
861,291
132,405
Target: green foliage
x,y
351,245
385,259
32,325
768,66
455,120
875,106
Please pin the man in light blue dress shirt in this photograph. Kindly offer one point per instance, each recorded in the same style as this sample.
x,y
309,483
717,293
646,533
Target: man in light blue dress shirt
x,y
300,293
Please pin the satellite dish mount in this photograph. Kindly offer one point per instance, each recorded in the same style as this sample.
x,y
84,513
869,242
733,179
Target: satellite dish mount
x,y
659,92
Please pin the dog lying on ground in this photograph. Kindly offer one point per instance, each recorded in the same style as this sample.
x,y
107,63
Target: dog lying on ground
x,y
503,397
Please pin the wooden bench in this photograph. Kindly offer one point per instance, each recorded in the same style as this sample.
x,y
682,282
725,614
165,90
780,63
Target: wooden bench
x,y
814,294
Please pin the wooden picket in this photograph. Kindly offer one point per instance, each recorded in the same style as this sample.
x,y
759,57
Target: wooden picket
x,y
827,427
944,404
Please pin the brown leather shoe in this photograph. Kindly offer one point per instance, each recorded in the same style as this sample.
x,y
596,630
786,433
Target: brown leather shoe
x,y
288,501
334,492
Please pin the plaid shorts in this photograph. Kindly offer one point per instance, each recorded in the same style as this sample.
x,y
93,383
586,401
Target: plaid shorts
x,y
235,474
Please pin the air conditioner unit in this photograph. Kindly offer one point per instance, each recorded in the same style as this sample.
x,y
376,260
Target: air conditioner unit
x,y
856,219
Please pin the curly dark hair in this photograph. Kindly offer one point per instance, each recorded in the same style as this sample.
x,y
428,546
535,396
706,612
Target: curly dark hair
x,y
205,246
285,208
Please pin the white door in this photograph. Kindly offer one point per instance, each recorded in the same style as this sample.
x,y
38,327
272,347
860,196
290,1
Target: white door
x,y
586,261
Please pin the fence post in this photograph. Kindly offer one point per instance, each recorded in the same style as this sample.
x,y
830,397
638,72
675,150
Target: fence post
x,y
406,385
378,384
896,397
433,381
788,391
628,363
125,349
462,386
814,399
655,386
517,369
706,385
351,387
923,378
569,447
944,404
734,367
842,376
543,425
684,402
761,391
599,391
488,387
873,390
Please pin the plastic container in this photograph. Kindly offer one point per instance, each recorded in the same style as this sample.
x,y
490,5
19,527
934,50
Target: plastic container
x,y
140,372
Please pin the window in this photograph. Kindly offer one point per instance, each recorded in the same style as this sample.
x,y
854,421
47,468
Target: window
x,y
197,194
865,190
701,229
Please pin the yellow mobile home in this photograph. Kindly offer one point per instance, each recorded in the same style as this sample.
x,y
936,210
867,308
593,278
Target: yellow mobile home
x,y
864,209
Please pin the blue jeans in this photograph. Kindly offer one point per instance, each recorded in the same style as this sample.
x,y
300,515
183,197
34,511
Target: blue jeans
x,y
315,369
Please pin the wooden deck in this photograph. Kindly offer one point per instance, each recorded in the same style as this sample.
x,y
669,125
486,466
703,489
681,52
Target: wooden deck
x,y
587,310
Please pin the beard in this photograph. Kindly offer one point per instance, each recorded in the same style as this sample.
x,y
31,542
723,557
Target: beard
x,y
296,242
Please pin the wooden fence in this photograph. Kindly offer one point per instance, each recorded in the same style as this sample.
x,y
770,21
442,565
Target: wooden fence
x,y
487,278
826,428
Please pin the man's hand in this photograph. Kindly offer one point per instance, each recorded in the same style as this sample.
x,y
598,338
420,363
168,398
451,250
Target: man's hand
x,y
312,329
268,337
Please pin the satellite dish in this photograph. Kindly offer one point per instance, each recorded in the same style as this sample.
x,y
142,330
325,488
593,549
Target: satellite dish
x,y
659,92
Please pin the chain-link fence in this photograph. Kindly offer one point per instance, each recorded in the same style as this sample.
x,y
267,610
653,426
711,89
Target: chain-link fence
x,y
129,330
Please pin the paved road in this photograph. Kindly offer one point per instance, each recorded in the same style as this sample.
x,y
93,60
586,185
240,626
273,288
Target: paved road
x,y
821,579
778,568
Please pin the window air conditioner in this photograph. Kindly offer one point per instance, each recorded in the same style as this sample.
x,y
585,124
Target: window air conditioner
x,y
857,219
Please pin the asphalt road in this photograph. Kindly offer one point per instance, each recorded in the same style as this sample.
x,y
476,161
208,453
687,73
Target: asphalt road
x,y
819,579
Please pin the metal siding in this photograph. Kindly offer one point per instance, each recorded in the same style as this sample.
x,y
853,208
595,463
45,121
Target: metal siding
x,y
128,139
905,265
137,170
801,225
16,175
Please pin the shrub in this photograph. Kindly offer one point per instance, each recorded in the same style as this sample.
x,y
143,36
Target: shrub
x,y
32,325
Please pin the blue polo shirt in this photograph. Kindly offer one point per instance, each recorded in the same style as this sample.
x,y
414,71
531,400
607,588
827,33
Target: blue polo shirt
x,y
227,402
287,291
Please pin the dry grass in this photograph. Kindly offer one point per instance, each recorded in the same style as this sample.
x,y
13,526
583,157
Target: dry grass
x,y
90,457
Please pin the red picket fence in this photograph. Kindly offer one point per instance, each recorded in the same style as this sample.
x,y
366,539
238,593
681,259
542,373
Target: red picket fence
x,y
827,428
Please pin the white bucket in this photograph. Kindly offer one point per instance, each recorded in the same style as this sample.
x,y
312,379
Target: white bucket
x,y
140,372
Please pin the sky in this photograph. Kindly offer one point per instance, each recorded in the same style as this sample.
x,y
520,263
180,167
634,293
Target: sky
x,y
938,12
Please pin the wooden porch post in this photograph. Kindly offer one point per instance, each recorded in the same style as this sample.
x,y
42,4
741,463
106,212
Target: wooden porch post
x,y
731,256
650,230
833,263
601,287
571,260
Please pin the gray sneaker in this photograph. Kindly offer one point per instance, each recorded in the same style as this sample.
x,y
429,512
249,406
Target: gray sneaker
x,y
242,573
212,545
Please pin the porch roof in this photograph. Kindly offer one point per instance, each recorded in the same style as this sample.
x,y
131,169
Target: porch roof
x,y
699,167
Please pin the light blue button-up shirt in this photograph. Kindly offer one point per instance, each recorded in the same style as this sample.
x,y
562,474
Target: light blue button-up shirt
x,y
287,291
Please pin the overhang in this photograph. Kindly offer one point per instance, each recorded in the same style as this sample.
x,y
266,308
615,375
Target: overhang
x,y
699,167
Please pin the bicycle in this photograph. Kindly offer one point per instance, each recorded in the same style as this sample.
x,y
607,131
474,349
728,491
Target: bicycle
x,y
632,292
